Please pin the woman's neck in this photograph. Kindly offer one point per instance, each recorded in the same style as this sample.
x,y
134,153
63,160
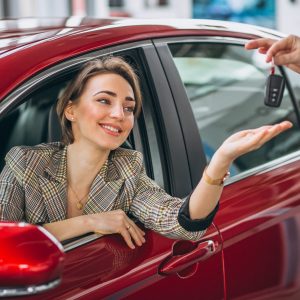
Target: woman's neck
x,y
84,162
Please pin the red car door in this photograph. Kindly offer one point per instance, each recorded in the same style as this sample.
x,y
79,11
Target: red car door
x,y
259,215
107,268
260,226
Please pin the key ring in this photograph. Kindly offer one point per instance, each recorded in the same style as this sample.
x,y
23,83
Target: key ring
x,y
272,66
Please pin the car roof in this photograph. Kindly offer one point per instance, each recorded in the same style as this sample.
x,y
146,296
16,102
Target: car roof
x,y
18,32
29,45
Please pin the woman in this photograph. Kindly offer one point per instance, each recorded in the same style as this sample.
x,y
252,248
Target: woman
x,y
89,184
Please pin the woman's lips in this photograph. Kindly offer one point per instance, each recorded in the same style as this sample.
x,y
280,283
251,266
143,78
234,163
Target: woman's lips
x,y
111,129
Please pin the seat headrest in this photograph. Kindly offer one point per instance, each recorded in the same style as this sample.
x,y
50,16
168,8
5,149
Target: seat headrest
x,y
54,128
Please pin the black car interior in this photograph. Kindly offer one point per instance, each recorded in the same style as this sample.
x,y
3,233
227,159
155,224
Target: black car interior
x,y
28,124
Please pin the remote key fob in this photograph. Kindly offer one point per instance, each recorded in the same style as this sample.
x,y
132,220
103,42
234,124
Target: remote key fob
x,y
274,90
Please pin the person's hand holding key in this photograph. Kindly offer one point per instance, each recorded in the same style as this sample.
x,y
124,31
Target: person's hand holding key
x,y
285,52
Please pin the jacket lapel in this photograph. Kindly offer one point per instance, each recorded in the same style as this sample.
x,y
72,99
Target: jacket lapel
x,y
103,195
105,189
54,186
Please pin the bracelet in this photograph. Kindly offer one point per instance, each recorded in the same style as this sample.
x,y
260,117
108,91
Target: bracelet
x,y
212,181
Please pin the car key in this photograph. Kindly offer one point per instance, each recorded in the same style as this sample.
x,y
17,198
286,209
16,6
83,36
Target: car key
x,y
274,88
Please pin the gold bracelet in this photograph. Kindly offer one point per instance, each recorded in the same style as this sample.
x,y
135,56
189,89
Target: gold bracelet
x,y
212,181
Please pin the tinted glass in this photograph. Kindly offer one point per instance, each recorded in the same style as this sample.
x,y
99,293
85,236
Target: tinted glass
x,y
225,85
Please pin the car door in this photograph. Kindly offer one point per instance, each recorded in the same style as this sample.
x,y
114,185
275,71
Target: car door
x,y
259,215
104,267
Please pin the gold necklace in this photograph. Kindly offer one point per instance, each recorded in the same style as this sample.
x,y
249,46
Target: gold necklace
x,y
79,205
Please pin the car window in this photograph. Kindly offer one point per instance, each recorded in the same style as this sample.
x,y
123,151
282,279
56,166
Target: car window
x,y
34,121
225,86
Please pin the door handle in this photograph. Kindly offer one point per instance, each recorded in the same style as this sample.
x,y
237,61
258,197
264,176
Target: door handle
x,y
176,263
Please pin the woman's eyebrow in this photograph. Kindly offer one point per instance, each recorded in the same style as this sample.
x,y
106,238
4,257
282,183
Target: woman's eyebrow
x,y
106,92
128,98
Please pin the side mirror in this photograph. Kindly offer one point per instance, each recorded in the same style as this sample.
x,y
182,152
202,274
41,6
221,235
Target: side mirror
x,y
31,259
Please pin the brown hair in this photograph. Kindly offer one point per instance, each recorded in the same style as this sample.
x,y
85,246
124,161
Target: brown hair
x,y
116,65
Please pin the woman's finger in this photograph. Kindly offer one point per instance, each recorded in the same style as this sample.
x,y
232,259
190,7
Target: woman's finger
x,y
280,126
131,222
287,124
140,231
277,129
136,234
274,131
127,237
265,127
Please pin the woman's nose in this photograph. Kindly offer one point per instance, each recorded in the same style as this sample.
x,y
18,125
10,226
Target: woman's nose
x,y
117,112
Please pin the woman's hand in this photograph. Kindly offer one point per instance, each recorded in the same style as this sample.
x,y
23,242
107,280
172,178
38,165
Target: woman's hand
x,y
245,141
206,195
116,221
285,51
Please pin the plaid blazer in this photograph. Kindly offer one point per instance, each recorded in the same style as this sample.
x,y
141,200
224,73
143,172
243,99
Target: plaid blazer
x,y
33,188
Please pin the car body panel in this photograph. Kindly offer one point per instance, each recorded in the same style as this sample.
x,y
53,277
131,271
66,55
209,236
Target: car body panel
x,y
261,226
107,268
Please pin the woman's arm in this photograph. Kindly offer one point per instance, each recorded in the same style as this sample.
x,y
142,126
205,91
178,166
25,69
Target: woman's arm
x,y
206,196
68,228
115,221
12,198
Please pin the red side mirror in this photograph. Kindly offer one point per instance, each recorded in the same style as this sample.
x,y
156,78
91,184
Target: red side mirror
x,y
31,259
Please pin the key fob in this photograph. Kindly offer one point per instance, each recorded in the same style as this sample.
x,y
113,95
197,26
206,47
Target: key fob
x,y
274,90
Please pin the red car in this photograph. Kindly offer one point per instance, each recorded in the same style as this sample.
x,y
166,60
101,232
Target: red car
x,y
199,86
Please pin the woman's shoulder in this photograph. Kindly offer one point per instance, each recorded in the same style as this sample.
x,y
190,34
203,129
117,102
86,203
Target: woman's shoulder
x,y
127,160
25,153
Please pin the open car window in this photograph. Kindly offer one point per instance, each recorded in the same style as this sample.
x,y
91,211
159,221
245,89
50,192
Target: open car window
x,y
33,120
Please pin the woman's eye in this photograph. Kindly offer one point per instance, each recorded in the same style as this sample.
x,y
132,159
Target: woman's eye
x,y
103,100
129,109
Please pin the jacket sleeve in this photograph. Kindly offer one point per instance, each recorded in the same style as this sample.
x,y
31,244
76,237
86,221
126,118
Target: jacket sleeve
x,y
186,222
12,200
160,212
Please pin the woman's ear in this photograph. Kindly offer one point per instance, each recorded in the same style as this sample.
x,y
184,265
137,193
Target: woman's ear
x,y
69,111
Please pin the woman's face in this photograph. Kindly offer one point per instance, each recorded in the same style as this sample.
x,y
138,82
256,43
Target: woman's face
x,y
104,113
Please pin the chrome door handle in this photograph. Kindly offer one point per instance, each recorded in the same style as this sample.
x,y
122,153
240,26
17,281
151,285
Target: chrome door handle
x,y
176,263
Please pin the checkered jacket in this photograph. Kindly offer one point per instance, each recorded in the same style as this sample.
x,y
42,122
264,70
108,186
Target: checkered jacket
x,y
33,188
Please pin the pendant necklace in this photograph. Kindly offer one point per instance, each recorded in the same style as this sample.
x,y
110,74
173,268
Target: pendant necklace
x,y
79,204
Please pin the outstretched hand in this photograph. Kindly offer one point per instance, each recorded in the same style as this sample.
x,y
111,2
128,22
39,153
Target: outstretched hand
x,y
245,141
285,51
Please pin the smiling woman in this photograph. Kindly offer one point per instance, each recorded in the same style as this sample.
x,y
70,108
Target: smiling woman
x,y
88,183
118,75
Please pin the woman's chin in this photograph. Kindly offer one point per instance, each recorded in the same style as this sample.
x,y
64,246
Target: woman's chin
x,y
110,146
